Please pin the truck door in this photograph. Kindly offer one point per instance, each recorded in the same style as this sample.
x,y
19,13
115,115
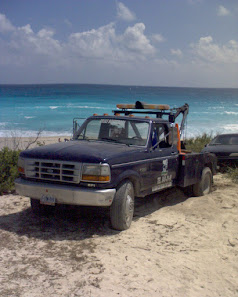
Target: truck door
x,y
164,158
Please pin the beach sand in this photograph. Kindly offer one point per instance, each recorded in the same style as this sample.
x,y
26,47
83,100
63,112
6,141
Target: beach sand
x,y
23,142
177,246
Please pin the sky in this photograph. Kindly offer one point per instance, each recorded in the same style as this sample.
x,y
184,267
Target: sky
x,y
183,43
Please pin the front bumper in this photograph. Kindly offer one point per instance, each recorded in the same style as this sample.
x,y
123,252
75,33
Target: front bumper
x,y
65,194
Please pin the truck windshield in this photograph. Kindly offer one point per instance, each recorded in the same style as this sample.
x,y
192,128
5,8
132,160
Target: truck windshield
x,y
130,132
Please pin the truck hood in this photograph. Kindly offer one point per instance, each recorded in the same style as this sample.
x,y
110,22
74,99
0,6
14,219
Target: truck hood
x,y
81,151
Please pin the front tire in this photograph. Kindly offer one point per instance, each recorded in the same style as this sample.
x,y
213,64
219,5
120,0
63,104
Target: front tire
x,y
204,186
122,208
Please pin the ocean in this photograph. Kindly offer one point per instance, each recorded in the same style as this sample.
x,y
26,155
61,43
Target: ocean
x,y
26,109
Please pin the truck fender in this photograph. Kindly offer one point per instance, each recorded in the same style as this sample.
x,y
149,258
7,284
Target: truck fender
x,y
131,175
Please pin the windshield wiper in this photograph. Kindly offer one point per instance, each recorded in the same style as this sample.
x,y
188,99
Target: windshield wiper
x,y
110,139
114,140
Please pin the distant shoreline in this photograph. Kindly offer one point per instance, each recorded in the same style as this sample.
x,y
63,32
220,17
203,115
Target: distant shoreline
x,y
112,85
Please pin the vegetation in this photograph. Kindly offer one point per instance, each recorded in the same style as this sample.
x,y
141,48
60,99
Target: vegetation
x,y
196,144
8,169
233,174
9,158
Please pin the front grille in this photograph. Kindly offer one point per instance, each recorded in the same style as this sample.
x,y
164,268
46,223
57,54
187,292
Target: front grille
x,y
61,171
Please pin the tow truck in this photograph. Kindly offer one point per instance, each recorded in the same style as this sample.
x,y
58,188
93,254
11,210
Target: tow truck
x,y
111,159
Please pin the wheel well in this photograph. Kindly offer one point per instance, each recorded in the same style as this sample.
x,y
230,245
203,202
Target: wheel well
x,y
134,181
209,165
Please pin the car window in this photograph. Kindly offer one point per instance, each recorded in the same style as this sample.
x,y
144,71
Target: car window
x,y
225,140
160,136
234,140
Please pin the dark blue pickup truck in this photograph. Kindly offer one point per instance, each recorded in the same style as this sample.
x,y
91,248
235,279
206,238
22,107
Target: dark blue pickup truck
x,y
112,159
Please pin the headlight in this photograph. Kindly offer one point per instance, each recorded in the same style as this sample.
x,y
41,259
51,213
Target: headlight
x,y
96,173
21,165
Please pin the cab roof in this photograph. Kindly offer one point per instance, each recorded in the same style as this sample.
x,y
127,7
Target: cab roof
x,y
130,118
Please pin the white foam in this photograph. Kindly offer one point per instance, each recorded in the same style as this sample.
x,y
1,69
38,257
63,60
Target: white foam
x,y
216,107
54,107
231,127
86,107
26,117
231,112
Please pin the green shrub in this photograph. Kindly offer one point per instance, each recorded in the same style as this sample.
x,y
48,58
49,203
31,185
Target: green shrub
x,y
8,169
233,174
196,144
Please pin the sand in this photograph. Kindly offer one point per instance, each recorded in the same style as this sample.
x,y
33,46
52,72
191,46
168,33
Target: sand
x,y
177,246
29,142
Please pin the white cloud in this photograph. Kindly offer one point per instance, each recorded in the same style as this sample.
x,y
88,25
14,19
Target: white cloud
x,y
26,29
158,38
104,43
222,11
96,43
135,40
5,24
124,13
176,52
44,33
206,49
27,44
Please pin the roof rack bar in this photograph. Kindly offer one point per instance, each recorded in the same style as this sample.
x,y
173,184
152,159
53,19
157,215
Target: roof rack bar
x,y
158,114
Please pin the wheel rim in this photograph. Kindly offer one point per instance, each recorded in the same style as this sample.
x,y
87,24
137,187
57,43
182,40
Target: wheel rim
x,y
207,184
129,209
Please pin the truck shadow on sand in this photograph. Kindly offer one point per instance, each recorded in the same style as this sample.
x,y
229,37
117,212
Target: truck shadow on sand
x,y
78,223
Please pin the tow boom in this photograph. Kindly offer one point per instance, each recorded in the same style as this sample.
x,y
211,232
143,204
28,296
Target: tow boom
x,y
159,110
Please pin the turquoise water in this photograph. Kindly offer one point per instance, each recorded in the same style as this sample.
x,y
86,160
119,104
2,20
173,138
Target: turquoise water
x,y
25,109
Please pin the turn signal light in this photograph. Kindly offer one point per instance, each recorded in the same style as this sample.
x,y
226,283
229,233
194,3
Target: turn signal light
x,y
95,178
21,170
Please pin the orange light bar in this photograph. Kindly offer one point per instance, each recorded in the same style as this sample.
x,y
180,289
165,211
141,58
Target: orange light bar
x,y
95,178
126,106
105,114
145,106
95,114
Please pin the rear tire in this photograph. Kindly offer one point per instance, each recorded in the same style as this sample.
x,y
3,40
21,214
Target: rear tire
x,y
204,186
122,208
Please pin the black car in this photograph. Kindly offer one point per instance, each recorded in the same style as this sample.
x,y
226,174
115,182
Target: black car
x,y
225,147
